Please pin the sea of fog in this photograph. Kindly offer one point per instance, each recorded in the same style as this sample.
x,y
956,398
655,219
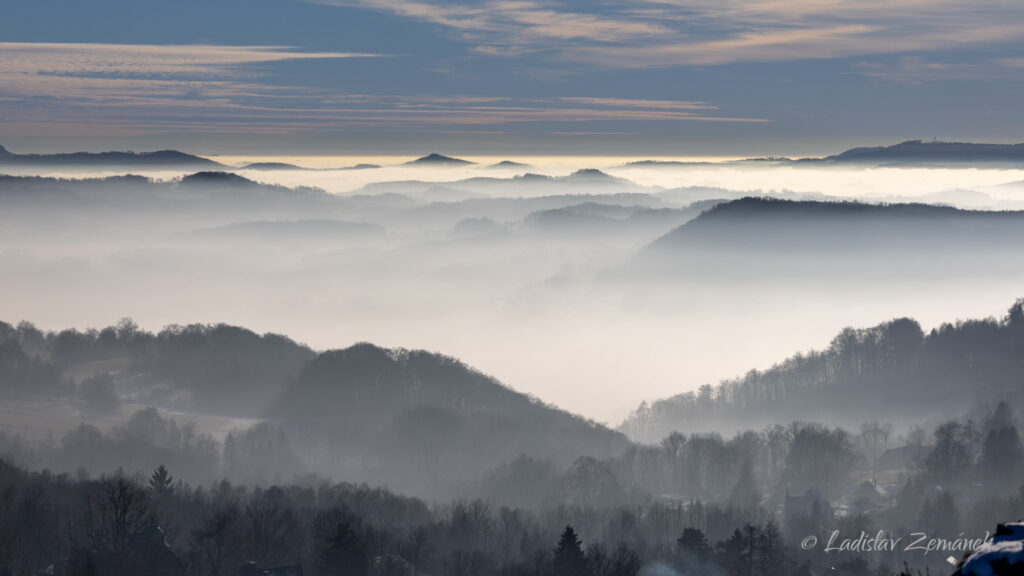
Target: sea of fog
x,y
335,174
545,314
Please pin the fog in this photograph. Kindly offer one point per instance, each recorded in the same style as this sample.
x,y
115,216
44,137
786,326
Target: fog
x,y
559,366
437,258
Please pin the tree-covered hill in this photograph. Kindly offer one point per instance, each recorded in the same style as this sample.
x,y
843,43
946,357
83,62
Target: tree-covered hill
x,y
890,371
428,417
768,225
415,420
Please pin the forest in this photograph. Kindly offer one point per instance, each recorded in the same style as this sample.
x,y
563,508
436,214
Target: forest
x,y
893,370
456,479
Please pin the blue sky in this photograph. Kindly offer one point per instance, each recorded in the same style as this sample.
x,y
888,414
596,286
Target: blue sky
x,y
631,77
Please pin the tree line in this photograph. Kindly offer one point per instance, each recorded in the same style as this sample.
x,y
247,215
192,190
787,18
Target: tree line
x,y
893,370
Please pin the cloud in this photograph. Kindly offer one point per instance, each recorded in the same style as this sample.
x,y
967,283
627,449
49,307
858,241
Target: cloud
x,y
124,73
144,59
514,23
126,89
666,33
642,104
915,71
790,45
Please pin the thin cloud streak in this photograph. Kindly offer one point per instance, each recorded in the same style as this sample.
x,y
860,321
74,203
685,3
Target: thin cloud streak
x,y
790,45
916,71
155,89
635,103
666,33
116,73
150,59
515,23
225,112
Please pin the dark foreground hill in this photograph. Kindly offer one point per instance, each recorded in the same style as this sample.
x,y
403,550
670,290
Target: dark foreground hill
x,y
427,419
414,420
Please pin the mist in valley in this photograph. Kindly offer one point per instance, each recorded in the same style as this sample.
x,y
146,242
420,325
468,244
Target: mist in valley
x,y
511,273
374,365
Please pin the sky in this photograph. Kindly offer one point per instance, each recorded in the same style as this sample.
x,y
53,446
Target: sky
x,y
689,77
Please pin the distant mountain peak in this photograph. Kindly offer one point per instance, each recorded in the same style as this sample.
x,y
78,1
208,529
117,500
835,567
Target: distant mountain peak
x,y
218,178
531,177
165,154
439,159
271,166
509,164
4,152
591,174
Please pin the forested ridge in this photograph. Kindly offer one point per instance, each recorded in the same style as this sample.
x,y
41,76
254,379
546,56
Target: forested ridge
x,y
788,228
892,370
420,421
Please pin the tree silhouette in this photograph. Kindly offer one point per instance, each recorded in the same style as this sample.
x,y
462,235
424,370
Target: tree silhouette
x,y
345,554
569,558
692,547
161,484
771,560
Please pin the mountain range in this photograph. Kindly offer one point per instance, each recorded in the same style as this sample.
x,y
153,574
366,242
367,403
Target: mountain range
x,y
151,160
909,153
922,152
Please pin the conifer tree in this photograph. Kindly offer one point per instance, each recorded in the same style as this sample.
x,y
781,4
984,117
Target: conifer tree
x,y
569,557
161,483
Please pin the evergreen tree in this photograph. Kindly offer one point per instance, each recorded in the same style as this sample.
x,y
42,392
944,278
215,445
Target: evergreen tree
x,y
161,483
692,545
569,558
771,555
736,553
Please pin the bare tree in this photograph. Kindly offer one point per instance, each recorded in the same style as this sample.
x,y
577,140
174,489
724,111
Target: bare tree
x,y
215,542
121,520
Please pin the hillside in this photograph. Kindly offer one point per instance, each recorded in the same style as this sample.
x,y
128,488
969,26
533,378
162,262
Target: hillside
x,y
813,243
419,421
158,159
427,419
920,152
890,371
773,225
130,205
217,368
